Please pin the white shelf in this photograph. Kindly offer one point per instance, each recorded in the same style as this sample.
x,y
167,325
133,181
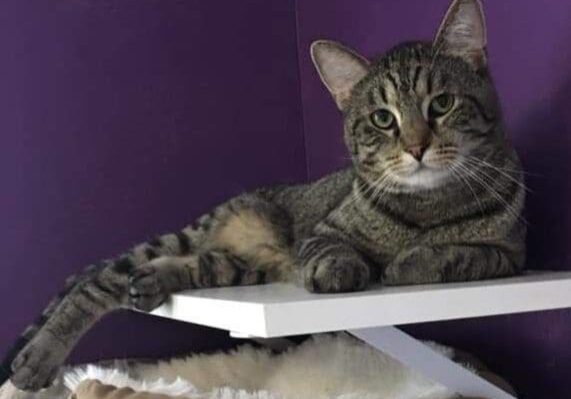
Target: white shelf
x,y
280,309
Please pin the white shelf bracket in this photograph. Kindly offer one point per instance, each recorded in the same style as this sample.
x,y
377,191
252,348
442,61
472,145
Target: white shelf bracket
x,y
418,356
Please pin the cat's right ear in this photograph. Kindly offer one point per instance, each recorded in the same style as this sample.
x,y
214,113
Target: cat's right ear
x,y
339,67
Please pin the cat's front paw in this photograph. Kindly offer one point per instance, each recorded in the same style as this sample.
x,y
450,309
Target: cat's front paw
x,y
418,265
37,365
337,275
146,290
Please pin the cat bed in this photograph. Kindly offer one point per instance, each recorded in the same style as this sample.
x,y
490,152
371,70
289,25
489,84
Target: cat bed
x,y
323,367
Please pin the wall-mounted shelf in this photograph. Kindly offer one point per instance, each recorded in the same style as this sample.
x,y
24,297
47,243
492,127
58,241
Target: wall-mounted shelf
x,y
280,309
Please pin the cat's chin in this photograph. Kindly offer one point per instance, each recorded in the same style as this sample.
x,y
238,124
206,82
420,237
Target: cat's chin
x,y
423,178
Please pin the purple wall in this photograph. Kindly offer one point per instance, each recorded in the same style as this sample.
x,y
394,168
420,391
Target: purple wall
x,y
530,57
122,119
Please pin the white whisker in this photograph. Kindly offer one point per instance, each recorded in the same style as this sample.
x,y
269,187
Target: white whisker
x,y
477,178
477,162
463,180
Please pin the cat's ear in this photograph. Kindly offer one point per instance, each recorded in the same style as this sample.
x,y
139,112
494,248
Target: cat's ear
x,y
463,33
339,67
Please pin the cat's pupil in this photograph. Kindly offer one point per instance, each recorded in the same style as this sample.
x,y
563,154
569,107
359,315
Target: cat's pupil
x,y
443,101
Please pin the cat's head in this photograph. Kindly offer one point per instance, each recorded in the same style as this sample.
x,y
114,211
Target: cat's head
x,y
421,110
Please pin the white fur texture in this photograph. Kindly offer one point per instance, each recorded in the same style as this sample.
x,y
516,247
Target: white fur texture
x,y
324,367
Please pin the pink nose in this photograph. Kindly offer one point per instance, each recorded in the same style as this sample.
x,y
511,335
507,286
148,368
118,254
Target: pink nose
x,y
417,151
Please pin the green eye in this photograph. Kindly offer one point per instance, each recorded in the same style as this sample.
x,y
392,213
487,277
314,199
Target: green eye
x,y
441,104
383,119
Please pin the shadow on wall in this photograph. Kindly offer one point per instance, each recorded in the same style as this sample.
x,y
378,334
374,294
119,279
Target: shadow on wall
x,y
544,148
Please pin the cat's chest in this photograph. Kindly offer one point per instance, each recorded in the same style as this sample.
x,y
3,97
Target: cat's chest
x,y
380,236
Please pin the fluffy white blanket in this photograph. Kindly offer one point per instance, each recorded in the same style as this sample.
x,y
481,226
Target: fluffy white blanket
x,y
324,367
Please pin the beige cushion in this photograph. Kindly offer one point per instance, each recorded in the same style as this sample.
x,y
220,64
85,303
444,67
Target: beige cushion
x,y
94,389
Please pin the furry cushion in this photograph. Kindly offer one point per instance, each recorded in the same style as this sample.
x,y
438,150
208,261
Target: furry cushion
x,y
327,366
323,367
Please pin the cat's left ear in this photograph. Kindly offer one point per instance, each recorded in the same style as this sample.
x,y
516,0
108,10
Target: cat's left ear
x,y
339,67
463,33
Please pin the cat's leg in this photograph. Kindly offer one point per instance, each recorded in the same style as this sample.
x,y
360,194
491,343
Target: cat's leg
x,y
44,346
245,241
147,286
449,263
331,265
151,284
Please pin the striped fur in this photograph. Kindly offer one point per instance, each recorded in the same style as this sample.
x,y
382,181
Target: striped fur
x,y
435,194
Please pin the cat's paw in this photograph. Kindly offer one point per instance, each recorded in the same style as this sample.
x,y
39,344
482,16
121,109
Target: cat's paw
x,y
37,365
146,290
337,275
418,265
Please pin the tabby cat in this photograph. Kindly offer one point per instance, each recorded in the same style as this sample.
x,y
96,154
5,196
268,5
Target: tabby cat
x,y
434,194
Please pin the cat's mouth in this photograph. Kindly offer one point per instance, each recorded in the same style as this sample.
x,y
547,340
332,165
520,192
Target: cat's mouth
x,y
404,173
424,177
433,170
